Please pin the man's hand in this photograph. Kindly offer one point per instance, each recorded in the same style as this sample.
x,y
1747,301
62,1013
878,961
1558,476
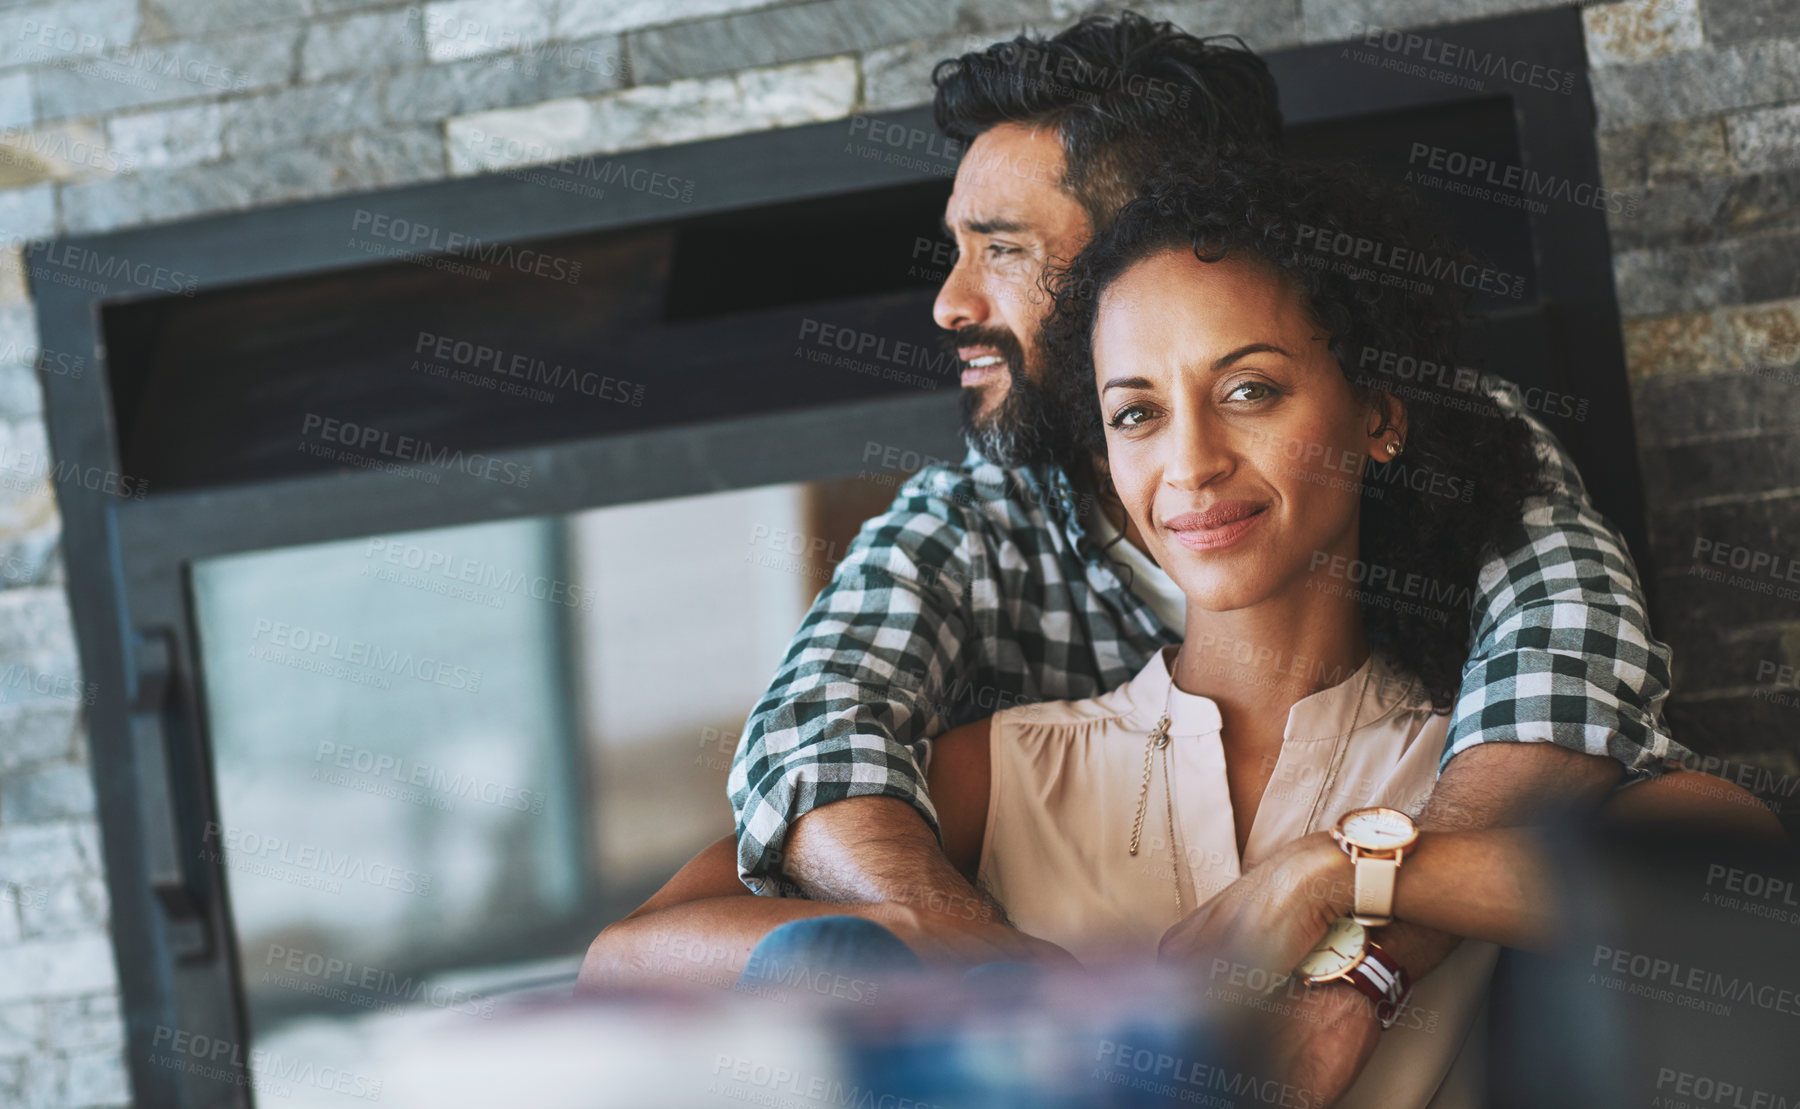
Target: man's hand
x,y
952,936
879,849
1271,917
1321,1040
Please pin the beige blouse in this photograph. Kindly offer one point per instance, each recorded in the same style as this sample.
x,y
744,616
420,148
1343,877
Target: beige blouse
x,y
1065,785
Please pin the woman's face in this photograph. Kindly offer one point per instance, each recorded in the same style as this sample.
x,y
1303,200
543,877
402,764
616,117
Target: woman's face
x,y
1232,436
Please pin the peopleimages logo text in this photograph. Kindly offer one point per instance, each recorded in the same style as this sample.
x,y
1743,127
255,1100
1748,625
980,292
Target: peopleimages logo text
x,y
1399,259
406,448
424,238
1436,51
113,268
1518,179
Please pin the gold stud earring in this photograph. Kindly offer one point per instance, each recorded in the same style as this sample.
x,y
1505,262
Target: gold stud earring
x,y
1393,449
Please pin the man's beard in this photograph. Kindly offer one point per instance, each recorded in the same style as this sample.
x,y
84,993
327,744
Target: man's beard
x,y
1021,430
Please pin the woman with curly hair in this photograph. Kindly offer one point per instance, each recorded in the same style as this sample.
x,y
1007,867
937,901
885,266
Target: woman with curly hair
x,y
1250,791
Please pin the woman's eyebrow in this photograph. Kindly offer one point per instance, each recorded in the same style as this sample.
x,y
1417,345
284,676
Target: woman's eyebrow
x,y
1247,350
1126,383
1222,362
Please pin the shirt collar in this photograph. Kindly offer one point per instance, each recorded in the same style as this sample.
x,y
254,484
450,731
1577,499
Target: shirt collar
x,y
1324,714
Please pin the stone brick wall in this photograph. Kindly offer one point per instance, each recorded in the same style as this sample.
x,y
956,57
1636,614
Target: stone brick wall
x,y
116,113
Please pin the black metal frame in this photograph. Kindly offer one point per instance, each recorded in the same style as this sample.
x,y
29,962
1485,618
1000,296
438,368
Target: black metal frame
x,y
127,560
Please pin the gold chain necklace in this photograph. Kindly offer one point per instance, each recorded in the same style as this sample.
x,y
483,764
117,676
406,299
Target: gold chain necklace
x,y
1159,741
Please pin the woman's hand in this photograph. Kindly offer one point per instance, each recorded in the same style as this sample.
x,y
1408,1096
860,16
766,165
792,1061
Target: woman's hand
x,y
1271,917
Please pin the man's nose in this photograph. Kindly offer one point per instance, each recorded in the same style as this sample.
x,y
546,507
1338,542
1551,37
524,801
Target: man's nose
x,y
960,301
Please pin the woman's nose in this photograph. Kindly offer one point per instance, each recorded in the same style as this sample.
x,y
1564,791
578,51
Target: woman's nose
x,y
1197,449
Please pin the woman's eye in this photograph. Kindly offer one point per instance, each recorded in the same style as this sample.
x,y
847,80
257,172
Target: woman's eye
x,y
1129,417
1251,391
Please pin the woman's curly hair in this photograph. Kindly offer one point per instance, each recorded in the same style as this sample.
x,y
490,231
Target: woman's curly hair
x,y
1351,247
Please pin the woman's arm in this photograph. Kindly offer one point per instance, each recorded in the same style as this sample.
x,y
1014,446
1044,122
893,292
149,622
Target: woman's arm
x,y
958,779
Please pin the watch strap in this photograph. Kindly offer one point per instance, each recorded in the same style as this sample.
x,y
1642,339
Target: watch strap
x,y
1383,981
1374,889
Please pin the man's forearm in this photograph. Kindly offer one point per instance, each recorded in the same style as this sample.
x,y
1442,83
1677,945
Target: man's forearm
x,y
1494,786
873,849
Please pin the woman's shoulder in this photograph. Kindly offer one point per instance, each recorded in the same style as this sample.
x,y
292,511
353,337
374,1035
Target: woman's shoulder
x,y
1046,720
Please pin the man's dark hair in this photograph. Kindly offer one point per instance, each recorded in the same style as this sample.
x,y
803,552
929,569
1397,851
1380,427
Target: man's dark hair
x,y
1429,518
1125,95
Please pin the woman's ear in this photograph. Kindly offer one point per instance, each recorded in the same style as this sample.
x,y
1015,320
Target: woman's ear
x,y
1387,428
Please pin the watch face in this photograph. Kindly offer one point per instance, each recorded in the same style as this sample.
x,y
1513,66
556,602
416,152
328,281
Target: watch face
x,y
1340,950
1380,829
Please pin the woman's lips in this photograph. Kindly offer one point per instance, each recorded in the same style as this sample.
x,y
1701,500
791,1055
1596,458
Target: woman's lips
x,y
1219,526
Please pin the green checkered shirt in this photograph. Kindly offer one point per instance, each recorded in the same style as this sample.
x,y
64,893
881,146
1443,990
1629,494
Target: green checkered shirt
x,y
976,591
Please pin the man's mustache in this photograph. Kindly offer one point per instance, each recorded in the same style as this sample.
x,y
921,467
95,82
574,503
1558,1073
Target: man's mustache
x,y
999,338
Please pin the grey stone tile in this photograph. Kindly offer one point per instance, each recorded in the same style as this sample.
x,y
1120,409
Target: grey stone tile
x,y
361,44
294,116
585,18
71,907
435,92
1623,34
1754,464
1768,267
1747,731
16,99
1765,139
1698,83
162,73
33,734
1740,661
27,213
1262,24
1737,20
1687,407
170,136
1647,152
471,28
49,793
47,33
1766,524
1673,279
653,115
178,18
900,76
1673,212
83,1023
1763,201
38,856
346,163
1329,20
800,31
21,1023
36,638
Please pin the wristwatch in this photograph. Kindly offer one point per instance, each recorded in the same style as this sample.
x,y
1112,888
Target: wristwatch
x,y
1376,840
1348,953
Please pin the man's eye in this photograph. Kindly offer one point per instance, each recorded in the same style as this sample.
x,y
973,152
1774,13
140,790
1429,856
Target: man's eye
x,y
996,250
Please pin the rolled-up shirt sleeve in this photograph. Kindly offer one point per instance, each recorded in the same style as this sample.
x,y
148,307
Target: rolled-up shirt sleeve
x,y
1562,650
862,680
